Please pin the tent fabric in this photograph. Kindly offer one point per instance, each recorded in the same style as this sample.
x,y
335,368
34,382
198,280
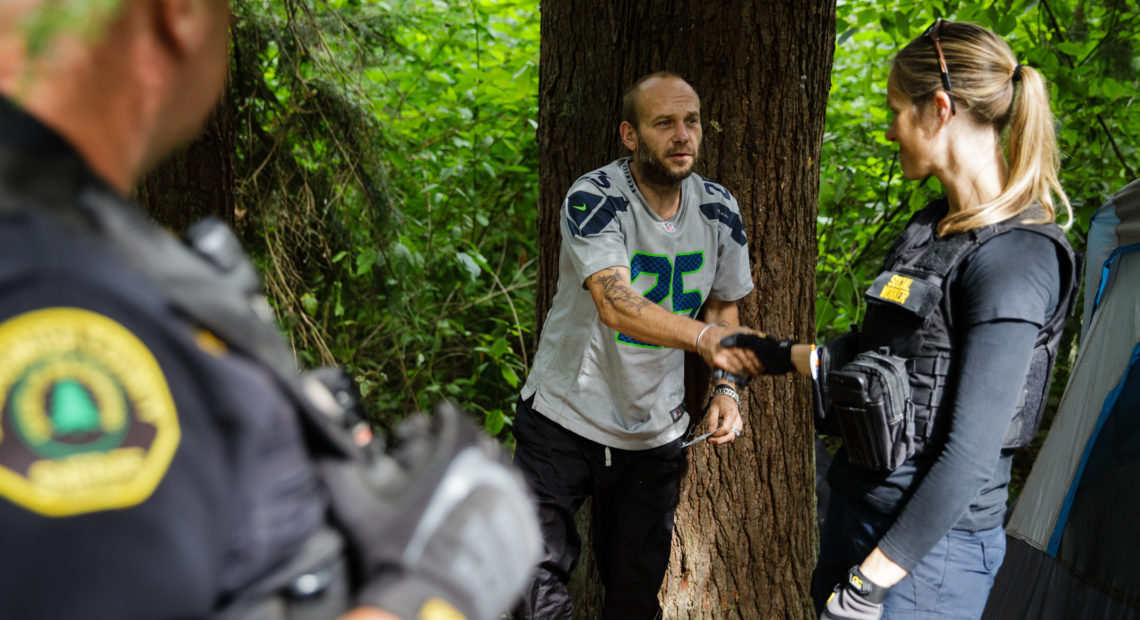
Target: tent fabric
x,y
1107,423
1099,369
1101,243
1127,203
1073,537
1048,590
1113,228
1100,539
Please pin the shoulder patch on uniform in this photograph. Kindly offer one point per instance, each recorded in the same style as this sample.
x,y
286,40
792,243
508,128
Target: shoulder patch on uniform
x,y
87,422
916,295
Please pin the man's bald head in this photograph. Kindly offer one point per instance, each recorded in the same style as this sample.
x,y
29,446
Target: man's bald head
x,y
631,98
126,95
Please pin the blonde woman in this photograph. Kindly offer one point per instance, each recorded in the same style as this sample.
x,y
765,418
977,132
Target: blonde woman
x,y
958,342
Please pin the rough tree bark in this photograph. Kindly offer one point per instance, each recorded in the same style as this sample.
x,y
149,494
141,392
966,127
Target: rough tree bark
x,y
196,181
744,542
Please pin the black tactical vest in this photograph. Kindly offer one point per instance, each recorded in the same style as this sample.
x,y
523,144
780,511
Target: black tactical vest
x,y
909,311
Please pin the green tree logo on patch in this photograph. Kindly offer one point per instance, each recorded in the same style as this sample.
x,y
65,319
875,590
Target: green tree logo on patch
x,y
72,410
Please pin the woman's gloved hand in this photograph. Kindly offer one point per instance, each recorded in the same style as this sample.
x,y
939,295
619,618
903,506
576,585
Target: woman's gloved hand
x,y
858,598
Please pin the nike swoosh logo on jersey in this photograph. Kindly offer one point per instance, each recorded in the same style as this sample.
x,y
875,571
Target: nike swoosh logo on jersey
x,y
581,207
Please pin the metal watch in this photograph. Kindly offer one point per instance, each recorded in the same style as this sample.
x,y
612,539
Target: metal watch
x,y
727,391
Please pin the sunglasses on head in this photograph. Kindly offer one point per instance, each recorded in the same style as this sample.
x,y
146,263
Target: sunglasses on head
x,y
932,33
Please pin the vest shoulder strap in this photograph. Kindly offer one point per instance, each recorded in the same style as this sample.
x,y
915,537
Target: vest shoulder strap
x,y
943,255
917,228
958,246
1070,264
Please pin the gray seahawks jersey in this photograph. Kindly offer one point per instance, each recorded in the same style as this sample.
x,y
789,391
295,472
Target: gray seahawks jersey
x,y
604,385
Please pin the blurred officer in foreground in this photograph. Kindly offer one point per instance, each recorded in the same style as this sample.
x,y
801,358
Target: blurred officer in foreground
x,y
160,457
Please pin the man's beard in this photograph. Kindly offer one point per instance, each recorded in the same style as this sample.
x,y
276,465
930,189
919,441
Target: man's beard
x,y
654,171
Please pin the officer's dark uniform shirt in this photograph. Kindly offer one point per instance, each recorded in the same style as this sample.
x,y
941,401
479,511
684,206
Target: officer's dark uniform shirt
x,y
146,471
1002,293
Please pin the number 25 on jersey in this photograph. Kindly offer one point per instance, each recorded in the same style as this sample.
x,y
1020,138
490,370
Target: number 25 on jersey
x,y
669,281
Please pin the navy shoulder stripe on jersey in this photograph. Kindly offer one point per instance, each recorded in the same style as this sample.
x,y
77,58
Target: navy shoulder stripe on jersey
x,y
579,206
718,212
599,179
588,214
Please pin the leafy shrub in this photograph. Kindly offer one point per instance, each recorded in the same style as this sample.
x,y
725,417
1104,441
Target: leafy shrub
x,y
388,181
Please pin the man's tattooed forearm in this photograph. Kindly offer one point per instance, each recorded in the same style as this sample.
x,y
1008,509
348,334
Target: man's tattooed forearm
x,y
618,293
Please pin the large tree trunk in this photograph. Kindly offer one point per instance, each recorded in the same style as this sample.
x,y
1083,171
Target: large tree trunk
x,y
196,181
744,542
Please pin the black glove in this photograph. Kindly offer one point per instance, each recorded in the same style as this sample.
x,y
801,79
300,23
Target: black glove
x,y
856,599
444,524
739,380
775,355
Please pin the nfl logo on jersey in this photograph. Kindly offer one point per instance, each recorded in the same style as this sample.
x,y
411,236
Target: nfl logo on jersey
x,y
668,226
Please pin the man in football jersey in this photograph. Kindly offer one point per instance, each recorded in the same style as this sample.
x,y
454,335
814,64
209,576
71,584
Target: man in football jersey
x,y
646,244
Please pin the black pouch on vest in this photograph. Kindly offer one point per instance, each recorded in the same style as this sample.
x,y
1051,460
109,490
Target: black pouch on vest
x,y
873,410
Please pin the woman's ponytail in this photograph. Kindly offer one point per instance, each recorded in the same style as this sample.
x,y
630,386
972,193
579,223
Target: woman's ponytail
x,y
992,87
1033,158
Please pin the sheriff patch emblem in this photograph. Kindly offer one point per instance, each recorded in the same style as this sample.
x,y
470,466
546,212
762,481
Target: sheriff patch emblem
x,y
87,422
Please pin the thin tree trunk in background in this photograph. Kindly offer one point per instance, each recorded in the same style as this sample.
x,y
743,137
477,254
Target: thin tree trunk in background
x,y
196,181
744,541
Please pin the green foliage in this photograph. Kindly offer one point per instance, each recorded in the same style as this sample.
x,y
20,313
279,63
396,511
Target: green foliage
x,y
390,186
83,18
462,98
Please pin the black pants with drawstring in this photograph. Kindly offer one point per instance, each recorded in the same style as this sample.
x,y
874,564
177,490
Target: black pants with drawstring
x,y
634,495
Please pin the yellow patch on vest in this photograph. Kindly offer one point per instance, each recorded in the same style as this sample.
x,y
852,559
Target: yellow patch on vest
x,y
897,290
87,422
439,609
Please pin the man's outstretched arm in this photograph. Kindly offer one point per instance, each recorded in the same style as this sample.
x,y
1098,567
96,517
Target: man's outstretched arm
x,y
623,309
